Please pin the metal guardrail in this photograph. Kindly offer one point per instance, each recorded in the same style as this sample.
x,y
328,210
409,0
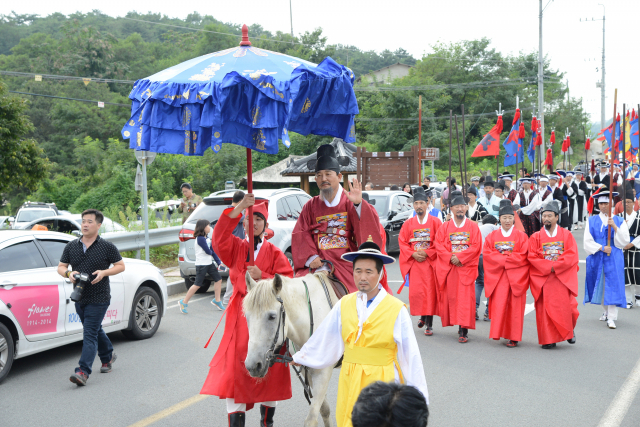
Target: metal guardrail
x,y
134,240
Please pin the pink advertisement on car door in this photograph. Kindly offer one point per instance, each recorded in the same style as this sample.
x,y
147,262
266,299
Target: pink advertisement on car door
x,y
35,307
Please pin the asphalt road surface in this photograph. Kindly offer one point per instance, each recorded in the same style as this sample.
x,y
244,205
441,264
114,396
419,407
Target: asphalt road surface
x,y
481,383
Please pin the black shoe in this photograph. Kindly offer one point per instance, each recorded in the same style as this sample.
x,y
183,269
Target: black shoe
x,y
477,317
236,419
486,317
106,367
79,378
548,346
572,340
422,321
266,416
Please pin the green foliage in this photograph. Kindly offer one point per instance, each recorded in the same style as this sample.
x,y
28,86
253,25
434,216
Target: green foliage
x,y
21,160
117,191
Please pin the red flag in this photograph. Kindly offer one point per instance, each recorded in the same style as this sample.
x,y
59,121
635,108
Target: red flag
x,y
587,144
591,199
490,144
549,160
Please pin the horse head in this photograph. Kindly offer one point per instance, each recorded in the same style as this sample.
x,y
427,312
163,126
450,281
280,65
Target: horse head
x,y
264,308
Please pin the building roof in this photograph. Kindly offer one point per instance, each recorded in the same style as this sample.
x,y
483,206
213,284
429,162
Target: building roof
x,y
273,173
299,167
383,69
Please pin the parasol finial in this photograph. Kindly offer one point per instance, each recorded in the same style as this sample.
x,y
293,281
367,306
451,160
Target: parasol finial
x,y
245,36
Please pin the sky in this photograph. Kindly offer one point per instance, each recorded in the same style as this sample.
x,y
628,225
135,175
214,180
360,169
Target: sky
x,y
415,25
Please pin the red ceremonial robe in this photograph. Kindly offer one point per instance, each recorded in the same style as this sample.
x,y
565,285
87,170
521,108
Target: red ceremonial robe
x,y
506,280
456,290
228,377
332,232
555,292
414,237
384,281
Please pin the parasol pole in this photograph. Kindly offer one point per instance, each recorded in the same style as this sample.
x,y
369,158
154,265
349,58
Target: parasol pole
x,y
464,191
464,148
420,139
613,153
250,209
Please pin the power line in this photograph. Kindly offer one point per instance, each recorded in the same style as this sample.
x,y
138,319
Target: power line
x,y
404,120
71,99
61,77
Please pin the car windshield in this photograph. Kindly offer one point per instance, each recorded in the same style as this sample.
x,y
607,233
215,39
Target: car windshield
x,y
210,212
380,203
28,215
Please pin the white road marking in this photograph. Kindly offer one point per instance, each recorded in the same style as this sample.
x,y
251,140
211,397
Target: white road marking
x,y
529,308
170,411
622,401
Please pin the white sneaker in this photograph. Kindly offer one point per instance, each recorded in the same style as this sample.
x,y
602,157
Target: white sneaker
x,y
603,318
611,324
638,303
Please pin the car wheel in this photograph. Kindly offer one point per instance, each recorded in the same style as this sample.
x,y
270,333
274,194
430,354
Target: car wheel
x,y
289,258
146,312
204,288
6,351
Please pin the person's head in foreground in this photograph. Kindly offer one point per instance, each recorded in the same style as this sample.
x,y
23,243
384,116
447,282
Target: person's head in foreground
x,y
383,404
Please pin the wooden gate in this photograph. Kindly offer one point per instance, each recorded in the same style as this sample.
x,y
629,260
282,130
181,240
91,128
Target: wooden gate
x,y
384,169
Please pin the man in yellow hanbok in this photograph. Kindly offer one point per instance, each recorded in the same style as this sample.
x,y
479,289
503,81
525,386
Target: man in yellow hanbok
x,y
374,332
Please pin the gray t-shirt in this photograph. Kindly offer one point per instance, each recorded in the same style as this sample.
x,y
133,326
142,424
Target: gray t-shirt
x,y
486,229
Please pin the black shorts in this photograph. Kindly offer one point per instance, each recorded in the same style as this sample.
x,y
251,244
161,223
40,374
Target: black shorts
x,y
203,270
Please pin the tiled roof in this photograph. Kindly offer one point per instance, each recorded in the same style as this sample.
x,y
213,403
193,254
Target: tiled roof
x,y
299,166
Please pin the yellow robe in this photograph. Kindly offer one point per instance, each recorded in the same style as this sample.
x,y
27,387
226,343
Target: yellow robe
x,y
372,357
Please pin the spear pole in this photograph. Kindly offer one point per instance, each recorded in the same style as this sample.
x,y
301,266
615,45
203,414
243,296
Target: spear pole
x,y
420,139
450,148
613,152
464,191
623,136
464,148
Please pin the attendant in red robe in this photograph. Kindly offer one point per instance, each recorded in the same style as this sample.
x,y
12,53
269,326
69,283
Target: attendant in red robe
x,y
228,378
506,277
553,254
458,245
333,223
417,261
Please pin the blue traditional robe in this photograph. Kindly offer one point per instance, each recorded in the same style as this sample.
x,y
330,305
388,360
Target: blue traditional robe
x,y
605,274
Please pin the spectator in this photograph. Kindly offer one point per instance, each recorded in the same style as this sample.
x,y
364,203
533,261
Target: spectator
x,y
368,186
238,232
395,188
407,188
383,404
189,203
92,255
445,193
204,265
426,182
489,224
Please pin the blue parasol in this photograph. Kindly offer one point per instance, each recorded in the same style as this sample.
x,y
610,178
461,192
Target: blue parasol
x,y
244,96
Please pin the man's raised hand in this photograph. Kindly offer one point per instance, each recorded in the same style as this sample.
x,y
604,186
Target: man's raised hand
x,y
248,200
355,192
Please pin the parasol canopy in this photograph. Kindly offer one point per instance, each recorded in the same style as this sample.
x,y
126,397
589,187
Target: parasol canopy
x,y
243,95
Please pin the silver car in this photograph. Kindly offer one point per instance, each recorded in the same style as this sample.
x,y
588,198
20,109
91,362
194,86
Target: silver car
x,y
394,208
285,206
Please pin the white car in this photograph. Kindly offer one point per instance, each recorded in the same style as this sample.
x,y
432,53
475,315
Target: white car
x,y
36,313
70,223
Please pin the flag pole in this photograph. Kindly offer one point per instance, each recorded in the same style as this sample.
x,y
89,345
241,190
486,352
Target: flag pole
x,y
499,112
623,136
250,208
450,148
464,191
517,140
420,139
464,148
613,152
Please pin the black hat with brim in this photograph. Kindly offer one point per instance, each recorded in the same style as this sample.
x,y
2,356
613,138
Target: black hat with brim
x,y
489,184
505,207
458,200
368,248
419,194
472,190
552,206
327,160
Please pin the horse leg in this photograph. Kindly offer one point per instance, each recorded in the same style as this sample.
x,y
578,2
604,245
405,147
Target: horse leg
x,y
319,383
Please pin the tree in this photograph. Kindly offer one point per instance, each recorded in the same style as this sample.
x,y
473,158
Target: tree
x,y
22,162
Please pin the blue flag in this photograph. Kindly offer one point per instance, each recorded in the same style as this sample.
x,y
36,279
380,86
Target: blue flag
x,y
513,146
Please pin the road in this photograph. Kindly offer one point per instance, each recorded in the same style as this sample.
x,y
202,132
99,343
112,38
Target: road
x,y
481,383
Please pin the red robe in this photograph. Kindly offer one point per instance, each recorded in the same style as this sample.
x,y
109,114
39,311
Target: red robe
x,y
228,377
506,280
332,232
456,290
423,297
555,292
384,281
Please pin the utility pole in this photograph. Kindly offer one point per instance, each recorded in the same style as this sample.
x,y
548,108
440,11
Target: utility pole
x,y
540,80
601,83
291,19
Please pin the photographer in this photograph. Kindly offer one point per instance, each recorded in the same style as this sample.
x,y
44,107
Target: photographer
x,y
92,255
189,203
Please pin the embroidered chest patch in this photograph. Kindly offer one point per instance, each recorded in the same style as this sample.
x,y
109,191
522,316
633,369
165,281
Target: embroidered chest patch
x,y
336,235
459,241
421,239
552,250
504,247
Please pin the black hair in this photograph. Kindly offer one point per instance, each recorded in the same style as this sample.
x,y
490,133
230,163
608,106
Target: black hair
x,y
394,188
489,219
238,196
378,261
185,185
200,227
481,179
410,189
383,404
97,213
453,180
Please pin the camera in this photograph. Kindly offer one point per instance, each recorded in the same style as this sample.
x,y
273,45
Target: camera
x,y
82,280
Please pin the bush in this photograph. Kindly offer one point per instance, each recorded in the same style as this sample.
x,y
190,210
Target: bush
x,y
117,191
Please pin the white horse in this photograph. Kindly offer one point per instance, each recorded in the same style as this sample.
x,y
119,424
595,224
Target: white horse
x,y
265,321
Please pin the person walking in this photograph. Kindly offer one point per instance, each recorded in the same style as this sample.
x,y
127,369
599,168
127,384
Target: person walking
x,y
189,202
205,265
489,225
93,255
632,254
